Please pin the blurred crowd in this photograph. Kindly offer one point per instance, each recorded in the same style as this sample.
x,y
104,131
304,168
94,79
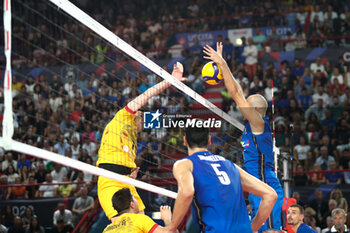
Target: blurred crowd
x,y
67,113
42,33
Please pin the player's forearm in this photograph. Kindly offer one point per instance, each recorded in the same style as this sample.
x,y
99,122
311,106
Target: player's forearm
x,y
231,83
182,204
265,208
142,99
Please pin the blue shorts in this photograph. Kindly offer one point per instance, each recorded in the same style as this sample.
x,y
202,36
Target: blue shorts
x,y
273,223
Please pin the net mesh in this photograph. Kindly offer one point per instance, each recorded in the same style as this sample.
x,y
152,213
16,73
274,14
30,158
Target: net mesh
x,y
68,84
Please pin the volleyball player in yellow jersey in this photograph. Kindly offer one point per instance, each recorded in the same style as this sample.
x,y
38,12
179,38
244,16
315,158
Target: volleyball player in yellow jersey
x,y
117,152
129,218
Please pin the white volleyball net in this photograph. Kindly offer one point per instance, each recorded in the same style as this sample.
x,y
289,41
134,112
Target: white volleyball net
x,y
70,75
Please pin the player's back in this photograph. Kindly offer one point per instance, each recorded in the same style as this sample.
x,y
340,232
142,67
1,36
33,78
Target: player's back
x,y
258,152
130,222
218,204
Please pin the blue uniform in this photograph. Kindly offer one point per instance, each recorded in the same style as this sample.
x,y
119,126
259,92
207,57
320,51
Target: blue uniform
x,y
218,205
259,162
303,228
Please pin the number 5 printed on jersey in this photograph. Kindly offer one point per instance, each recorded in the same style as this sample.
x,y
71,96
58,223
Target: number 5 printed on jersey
x,y
223,177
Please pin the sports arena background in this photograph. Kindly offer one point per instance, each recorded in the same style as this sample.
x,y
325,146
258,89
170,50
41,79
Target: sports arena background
x,y
66,91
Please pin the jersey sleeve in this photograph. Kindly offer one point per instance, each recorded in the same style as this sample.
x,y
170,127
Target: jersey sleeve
x,y
148,225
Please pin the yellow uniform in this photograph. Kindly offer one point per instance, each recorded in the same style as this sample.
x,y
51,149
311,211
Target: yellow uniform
x,y
118,147
129,222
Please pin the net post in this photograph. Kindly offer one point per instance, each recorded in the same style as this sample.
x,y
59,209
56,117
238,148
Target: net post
x,y
7,123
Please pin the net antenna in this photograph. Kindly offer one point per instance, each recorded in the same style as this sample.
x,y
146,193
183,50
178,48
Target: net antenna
x,y
98,28
7,123
276,150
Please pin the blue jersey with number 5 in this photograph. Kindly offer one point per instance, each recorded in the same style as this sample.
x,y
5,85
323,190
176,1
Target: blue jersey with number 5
x,y
218,204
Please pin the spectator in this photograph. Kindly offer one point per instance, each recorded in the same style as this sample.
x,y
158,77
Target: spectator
x,y
336,108
317,66
69,85
61,146
268,90
89,146
317,110
304,99
40,175
310,219
9,161
303,151
29,84
23,161
289,44
49,190
66,124
81,205
329,225
79,183
31,190
65,190
226,100
300,38
333,177
17,191
317,14
148,160
337,195
275,40
321,95
259,39
228,51
337,76
61,228
34,226
251,53
8,216
316,176
11,174
75,148
300,179
324,159
339,220
332,204
28,216
329,16
17,226
62,214
59,172
298,70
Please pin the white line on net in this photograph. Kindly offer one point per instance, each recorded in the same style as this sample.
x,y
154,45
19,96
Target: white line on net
x,y
85,19
57,158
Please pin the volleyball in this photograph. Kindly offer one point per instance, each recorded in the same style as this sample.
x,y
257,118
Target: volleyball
x,y
211,73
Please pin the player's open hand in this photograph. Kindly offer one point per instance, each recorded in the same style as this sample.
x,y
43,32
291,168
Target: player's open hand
x,y
215,56
165,213
134,173
178,72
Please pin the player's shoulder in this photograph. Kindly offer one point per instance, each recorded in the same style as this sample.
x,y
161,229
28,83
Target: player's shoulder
x,y
304,228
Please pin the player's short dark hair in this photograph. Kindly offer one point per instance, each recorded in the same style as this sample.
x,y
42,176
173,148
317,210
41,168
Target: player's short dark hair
x,y
121,200
197,136
301,209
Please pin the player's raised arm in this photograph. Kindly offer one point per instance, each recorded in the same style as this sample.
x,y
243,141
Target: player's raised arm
x,y
235,90
268,197
183,174
142,99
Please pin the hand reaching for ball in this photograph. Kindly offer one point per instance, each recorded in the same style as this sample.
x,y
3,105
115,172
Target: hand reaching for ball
x,y
215,56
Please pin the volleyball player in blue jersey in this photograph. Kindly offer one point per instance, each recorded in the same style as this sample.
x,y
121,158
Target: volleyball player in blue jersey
x,y
215,187
256,140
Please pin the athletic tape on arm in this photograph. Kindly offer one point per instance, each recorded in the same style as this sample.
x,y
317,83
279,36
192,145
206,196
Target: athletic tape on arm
x,y
98,28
